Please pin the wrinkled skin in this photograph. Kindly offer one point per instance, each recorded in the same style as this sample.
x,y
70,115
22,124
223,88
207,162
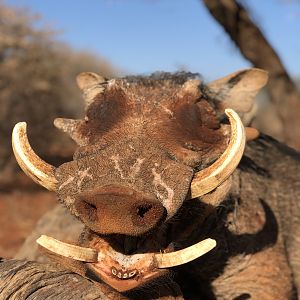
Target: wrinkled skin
x,y
139,146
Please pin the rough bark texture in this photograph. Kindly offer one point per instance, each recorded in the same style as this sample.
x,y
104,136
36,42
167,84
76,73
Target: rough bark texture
x,y
257,229
253,45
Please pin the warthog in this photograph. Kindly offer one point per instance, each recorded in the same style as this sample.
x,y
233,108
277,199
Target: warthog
x,y
157,181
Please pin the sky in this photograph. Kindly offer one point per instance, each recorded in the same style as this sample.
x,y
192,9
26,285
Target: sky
x,y
143,36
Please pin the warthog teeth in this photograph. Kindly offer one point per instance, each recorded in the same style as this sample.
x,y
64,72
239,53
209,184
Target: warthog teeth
x,y
123,275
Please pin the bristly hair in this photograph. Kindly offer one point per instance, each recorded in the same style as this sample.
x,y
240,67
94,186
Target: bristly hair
x,y
160,78
108,101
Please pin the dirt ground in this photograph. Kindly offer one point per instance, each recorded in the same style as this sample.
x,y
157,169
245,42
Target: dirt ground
x,y
19,212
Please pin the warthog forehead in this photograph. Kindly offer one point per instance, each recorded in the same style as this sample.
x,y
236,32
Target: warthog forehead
x,y
144,168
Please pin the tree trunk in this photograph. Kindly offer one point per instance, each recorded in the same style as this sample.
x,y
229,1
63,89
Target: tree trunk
x,y
254,46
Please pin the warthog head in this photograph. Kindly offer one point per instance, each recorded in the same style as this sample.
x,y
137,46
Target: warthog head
x,y
145,146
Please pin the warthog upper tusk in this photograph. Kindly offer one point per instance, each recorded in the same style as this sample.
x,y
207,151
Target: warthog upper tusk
x,y
180,257
41,172
68,250
210,178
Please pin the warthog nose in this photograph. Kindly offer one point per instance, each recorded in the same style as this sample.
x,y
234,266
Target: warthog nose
x,y
113,209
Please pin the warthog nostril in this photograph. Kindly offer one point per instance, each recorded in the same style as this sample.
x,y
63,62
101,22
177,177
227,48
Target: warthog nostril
x,y
92,206
147,214
143,209
89,205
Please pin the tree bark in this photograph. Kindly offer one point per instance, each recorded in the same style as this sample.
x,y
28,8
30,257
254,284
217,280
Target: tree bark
x,y
251,42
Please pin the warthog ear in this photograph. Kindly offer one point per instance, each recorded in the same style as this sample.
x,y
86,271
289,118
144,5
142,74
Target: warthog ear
x,y
86,80
237,91
91,85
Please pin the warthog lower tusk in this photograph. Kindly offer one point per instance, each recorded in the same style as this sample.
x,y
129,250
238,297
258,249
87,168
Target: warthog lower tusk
x,y
161,260
210,178
37,169
180,257
68,250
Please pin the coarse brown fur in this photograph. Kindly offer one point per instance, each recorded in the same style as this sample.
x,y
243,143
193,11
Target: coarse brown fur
x,y
140,143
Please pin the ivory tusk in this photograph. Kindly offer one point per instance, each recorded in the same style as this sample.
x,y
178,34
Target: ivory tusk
x,y
68,250
210,178
37,169
162,260
180,257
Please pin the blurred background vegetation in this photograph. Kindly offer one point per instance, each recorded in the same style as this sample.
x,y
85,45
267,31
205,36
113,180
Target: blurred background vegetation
x,y
37,84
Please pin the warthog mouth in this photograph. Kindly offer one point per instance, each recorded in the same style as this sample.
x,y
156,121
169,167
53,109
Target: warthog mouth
x,y
125,272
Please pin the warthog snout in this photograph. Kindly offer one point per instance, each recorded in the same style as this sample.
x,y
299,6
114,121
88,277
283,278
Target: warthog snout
x,y
119,209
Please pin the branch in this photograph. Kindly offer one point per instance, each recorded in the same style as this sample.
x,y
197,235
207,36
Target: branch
x,y
251,42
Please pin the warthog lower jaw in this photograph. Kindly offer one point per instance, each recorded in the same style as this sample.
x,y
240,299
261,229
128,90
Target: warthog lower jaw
x,y
125,272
